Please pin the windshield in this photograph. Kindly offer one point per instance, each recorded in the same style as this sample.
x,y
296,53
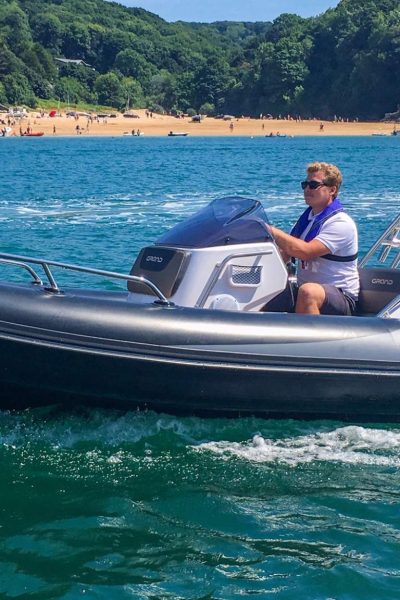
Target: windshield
x,y
225,221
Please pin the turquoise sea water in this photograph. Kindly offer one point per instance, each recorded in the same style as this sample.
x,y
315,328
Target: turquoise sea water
x,y
105,504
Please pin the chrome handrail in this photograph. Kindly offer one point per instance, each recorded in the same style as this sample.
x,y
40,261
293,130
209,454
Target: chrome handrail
x,y
16,260
218,269
387,310
35,276
387,241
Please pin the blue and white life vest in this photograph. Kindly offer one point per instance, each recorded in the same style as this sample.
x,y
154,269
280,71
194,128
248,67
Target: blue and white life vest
x,y
332,209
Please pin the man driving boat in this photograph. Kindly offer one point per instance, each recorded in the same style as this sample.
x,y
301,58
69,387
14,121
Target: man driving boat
x,y
325,243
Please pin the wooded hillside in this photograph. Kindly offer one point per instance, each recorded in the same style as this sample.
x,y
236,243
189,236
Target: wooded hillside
x,y
344,62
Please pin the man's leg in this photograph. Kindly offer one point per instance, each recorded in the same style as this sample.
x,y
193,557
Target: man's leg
x,y
316,299
310,298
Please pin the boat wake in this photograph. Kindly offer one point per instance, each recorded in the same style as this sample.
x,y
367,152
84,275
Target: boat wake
x,y
224,438
352,445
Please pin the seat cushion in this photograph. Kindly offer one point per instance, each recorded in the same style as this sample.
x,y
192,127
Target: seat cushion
x,y
378,286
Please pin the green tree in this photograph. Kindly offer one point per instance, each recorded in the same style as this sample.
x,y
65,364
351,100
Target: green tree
x,y
184,86
113,42
18,90
162,90
38,59
211,82
76,41
207,109
283,71
133,92
8,61
3,95
132,64
14,27
69,90
48,31
110,91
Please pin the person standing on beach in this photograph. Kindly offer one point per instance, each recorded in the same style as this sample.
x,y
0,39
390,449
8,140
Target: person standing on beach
x,y
325,243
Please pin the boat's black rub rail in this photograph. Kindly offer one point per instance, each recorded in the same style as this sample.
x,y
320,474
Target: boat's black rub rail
x,y
192,355
99,316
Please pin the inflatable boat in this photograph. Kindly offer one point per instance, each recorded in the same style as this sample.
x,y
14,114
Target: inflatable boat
x,y
194,332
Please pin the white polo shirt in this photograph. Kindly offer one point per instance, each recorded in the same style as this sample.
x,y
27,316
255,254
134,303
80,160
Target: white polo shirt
x,y
339,235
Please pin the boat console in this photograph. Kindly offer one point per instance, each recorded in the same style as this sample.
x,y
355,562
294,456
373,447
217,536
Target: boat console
x,y
221,257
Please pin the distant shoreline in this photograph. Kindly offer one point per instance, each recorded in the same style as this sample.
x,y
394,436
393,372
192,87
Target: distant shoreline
x,y
162,125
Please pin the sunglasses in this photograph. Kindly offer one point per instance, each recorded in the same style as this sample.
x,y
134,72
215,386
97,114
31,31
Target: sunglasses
x,y
313,184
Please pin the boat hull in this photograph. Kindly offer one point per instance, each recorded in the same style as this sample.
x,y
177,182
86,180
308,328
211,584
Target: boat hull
x,y
98,349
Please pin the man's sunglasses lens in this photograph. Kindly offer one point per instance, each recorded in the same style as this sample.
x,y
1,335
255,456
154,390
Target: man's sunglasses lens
x,y
313,185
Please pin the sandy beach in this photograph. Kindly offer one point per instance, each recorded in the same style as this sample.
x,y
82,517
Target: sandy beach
x,y
161,125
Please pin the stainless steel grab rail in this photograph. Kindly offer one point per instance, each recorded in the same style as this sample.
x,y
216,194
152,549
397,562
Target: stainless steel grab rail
x,y
35,276
218,270
20,261
389,309
386,242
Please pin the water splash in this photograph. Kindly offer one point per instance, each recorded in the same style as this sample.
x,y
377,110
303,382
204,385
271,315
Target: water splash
x,y
352,444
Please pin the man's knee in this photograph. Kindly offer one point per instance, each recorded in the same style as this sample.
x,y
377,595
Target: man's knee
x,y
311,291
310,295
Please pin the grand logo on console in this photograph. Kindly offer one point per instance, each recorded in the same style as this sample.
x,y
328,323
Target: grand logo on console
x,y
156,259
382,281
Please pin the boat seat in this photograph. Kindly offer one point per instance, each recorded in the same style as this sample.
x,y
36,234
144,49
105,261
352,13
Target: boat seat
x,y
378,286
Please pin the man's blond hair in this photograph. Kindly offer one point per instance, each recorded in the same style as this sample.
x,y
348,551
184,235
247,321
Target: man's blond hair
x,y
332,175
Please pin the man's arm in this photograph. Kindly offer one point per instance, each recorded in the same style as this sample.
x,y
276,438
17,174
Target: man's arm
x,y
292,246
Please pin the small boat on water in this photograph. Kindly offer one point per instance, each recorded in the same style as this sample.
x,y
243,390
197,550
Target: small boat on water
x,y
38,134
189,335
6,132
177,134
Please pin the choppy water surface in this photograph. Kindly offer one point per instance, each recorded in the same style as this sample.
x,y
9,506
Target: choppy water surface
x,y
104,504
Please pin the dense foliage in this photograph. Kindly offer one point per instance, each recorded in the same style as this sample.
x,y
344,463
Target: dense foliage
x,y
343,62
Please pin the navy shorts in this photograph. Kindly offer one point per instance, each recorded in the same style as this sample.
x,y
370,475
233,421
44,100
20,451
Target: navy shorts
x,y
337,302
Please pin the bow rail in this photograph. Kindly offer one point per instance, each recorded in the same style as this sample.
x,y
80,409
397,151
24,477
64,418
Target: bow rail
x,y
25,261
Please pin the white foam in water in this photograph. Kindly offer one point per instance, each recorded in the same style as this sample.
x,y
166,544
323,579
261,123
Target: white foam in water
x,y
27,210
129,207
174,205
352,444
